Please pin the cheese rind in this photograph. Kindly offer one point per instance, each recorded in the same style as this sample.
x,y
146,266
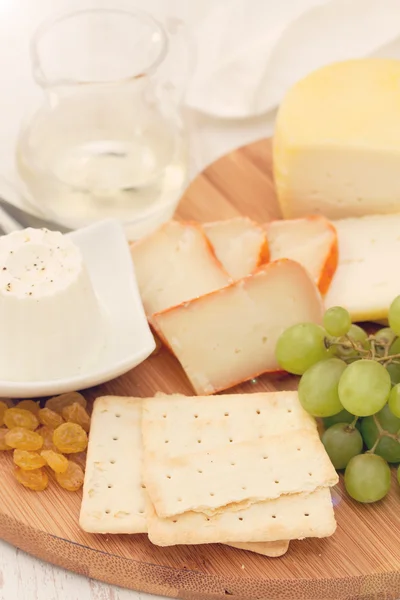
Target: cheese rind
x,y
239,244
229,336
50,321
174,264
365,283
311,241
336,144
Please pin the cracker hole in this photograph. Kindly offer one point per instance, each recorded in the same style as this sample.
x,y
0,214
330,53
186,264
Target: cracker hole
x,y
212,494
265,457
208,519
174,521
179,499
226,414
164,416
166,441
168,476
196,416
108,511
258,412
298,449
112,462
143,486
310,474
141,512
274,516
109,486
115,439
244,487
230,440
200,471
117,415
240,518
289,410
306,514
199,441
276,481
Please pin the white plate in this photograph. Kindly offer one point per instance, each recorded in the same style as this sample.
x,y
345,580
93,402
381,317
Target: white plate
x,y
129,338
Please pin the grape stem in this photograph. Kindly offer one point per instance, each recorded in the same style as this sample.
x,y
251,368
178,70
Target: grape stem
x,y
381,433
347,343
352,425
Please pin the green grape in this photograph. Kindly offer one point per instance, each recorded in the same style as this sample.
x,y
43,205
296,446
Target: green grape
x,y
364,387
394,400
395,347
318,388
300,347
394,371
342,417
342,442
337,321
367,478
387,447
384,336
394,315
360,337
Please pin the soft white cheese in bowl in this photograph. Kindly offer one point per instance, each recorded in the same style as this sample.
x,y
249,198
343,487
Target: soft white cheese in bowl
x,y
51,324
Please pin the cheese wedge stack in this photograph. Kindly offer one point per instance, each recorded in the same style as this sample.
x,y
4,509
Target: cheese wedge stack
x,y
168,437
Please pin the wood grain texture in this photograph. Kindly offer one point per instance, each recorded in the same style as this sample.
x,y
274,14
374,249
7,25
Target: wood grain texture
x,y
361,561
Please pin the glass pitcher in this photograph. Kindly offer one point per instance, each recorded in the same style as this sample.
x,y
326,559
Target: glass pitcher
x,y
109,139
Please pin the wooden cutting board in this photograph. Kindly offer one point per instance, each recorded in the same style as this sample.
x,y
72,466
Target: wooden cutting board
x,y
362,559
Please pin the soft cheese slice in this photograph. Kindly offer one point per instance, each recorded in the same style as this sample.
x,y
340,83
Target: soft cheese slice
x,y
311,241
239,244
365,282
336,144
50,321
174,264
229,336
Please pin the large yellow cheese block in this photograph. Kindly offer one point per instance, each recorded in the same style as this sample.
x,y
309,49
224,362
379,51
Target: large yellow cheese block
x,y
337,141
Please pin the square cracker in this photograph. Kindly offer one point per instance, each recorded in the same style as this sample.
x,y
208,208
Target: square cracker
x,y
113,499
238,473
115,417
295,516
183,420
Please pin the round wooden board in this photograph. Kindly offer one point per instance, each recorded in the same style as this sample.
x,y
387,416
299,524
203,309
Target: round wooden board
x,y
362,559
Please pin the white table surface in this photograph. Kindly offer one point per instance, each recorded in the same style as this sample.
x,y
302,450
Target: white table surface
x,y
21,576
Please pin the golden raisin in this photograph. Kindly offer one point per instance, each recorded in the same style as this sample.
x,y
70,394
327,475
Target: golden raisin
x,y
9,401
30,405
36,479
19,417
28,461
75,413
50,418
72,478
59,402
47,434
3,445
23,439
70,438
3,408
57,462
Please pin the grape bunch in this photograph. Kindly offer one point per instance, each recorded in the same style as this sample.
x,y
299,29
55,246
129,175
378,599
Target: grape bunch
x,y
351,380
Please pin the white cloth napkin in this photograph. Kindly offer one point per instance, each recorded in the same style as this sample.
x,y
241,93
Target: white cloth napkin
x,y
249,52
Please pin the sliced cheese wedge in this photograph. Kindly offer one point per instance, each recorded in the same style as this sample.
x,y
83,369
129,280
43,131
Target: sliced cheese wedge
x,y
311,241
239,244
365,281
229,336
174,264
